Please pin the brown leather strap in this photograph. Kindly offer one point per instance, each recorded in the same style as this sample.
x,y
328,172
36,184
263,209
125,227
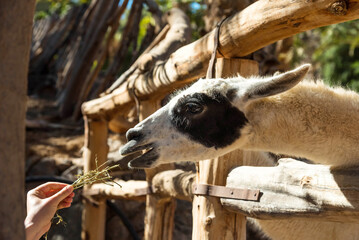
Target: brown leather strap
x,y
210,70
225,192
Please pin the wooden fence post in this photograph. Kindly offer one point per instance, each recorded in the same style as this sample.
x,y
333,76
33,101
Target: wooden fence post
x,y
96,149
210,220
159,211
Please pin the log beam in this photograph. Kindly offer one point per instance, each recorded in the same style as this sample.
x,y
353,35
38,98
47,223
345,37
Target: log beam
x,y
167,184
294,189
260,24
174,183
170,39
95,154
130,190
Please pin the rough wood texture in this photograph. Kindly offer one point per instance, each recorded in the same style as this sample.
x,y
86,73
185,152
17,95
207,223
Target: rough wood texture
x,y
95,20
298,190
159,211
93,216
210,220
49,35
258,25
15,41
176,36
129,36
132,190
174,183
217,9
113,24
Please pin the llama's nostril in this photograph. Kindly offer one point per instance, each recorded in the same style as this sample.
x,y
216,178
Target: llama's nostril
x,y
133,134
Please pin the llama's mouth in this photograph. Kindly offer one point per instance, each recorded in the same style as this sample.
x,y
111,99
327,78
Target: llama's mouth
x,y
134,146
145,160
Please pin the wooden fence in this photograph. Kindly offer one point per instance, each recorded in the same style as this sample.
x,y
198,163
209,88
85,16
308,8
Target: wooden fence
x,y
258,25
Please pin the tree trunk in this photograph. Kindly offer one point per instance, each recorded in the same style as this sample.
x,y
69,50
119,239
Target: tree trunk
x,y
15,40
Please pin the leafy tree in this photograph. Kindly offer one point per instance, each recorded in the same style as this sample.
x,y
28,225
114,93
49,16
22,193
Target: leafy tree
x,y
335,50
45,8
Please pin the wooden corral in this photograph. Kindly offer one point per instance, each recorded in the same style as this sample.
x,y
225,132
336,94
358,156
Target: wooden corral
x,y
143,88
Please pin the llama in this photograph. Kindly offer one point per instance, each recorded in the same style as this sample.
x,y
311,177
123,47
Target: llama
x,y
279,114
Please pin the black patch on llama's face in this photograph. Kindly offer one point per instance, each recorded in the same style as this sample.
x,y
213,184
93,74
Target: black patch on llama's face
x,y
209,120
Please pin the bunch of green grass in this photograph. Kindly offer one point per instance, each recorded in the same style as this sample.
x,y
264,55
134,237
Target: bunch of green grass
x,y
97,175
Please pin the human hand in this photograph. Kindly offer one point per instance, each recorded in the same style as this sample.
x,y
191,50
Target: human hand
x,y
42,204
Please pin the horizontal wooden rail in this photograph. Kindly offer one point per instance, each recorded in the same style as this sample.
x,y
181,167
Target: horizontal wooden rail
x,y
132,190
292,189
299,190
172,183
260,24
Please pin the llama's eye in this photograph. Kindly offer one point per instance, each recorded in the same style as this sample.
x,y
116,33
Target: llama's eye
x,y
193,108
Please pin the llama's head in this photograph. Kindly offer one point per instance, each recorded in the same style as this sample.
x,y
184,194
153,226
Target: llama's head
x,y
204,121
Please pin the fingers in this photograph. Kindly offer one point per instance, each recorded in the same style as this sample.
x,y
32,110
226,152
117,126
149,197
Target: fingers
x,y
66,202
63,205
50,188
62,194
69,198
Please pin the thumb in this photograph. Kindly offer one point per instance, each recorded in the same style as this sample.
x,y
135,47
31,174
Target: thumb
x,y
62,194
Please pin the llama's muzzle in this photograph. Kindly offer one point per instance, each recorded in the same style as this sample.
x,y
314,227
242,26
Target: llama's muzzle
x,y
135,144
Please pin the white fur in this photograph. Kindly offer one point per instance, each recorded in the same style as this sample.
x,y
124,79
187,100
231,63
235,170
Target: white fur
x,y
310,120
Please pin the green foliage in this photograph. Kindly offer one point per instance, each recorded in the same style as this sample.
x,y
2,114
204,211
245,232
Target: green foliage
x,y
194,10
166,5
46,8
146,19
336,52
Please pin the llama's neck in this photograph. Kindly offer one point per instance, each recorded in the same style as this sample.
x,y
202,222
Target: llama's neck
x,y
310,121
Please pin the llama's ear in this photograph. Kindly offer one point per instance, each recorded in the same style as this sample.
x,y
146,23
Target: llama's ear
x,y
276,84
